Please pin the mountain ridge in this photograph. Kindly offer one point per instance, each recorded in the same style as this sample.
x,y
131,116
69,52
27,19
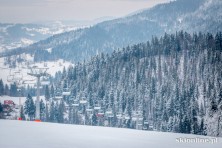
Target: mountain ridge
x,y
118,33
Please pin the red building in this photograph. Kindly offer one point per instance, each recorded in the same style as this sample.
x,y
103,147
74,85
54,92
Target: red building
x,y
9,102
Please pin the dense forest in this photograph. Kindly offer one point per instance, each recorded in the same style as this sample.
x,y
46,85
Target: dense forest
x,y
171,84
174,83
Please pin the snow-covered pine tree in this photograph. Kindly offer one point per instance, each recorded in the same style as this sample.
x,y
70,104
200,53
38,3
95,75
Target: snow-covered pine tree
x,y
47,93
61,110
29,107
1,111
52,112
42,111
2,89
22,115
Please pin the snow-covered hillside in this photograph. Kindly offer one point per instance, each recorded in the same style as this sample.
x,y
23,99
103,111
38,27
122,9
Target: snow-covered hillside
x,y
21,35
24,134
188,15
53,67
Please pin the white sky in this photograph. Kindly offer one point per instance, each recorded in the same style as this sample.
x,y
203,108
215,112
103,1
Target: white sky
x,y
27,11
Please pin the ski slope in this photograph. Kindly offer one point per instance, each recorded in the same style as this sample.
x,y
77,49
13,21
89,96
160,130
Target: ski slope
x,y
25,134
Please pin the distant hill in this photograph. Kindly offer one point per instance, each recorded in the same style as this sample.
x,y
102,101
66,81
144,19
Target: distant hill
x,y
188,15
18,35
21,35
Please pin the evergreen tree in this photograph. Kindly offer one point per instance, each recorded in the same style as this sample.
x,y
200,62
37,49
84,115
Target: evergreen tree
x,y
47,118
42,111
13,90
202,130
29,107
194,116
61,111
186,125
22,115
7,91
56,112
52,112
94,120
1,111
1,88
52,91
47,94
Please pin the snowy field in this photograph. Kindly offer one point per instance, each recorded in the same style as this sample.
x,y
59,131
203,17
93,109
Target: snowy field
x,y
25,134
53,67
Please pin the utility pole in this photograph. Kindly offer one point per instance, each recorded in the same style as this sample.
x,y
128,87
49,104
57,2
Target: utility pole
x,y
38,73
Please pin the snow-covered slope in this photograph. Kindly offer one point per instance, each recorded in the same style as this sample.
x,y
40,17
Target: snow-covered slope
x,y
53,67
21,134
20,35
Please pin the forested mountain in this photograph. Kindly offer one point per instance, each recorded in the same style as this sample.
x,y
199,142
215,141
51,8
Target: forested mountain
x,y
21,35
189,15
17,35
172,83
14,35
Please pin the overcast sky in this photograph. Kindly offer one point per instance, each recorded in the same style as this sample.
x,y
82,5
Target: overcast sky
x,y
28,11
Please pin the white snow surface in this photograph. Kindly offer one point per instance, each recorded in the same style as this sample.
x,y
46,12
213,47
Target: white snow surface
x,y
27,41
27,134
53,67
